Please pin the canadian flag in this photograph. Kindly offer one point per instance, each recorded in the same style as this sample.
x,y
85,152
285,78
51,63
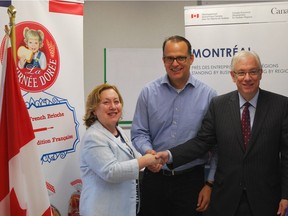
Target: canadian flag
x,y
22,189
194,16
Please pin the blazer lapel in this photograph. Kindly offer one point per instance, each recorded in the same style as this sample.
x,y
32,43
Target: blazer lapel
x,y
235,117
260,115
126,146
113,139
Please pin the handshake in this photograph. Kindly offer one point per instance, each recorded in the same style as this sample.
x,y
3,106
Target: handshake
x,y
155,160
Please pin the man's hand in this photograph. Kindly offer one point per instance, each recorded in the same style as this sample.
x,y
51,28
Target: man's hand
x,y
283,206
164,155
154,168
204,198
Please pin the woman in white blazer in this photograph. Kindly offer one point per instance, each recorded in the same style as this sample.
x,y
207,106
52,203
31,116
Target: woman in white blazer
x,y
109,164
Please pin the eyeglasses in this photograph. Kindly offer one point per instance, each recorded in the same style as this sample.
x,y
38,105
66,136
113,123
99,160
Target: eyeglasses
x,y
179,59
242,74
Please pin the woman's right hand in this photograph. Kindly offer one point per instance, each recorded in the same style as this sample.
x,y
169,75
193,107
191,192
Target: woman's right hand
x,y
150,161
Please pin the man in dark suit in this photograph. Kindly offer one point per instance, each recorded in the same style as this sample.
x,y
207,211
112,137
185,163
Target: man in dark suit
x,y
251,179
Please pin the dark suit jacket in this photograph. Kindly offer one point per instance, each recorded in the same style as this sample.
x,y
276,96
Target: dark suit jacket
x,y
262,170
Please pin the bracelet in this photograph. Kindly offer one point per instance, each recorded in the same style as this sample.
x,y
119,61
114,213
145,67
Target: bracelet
x,y
209,184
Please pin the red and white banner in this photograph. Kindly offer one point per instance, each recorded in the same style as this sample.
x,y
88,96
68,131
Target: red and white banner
x,y
23,189
49,70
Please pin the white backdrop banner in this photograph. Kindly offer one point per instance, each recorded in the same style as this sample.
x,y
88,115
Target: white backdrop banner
x,y
218,32
52,87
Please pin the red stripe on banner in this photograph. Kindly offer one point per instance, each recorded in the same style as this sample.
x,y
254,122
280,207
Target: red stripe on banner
x,y
58,6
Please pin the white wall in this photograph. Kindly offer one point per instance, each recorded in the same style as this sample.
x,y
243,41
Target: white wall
x,y
129,24
126,25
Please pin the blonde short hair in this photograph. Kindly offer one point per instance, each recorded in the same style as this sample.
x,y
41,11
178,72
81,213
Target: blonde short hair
x,y
93,101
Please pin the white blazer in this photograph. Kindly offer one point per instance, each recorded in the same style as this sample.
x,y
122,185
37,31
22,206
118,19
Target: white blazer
x,y
109,173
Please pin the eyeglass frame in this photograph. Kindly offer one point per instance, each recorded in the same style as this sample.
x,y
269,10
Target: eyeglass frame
x,y
171,59
252,73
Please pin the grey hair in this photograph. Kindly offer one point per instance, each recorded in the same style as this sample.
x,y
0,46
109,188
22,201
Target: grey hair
x,y
242,54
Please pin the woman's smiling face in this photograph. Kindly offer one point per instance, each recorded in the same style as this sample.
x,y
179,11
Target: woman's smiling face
x,y
109,110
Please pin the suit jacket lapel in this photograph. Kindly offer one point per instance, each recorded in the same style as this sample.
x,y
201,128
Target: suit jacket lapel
x,y
259,118
235,117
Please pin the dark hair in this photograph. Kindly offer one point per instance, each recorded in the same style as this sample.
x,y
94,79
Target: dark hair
x,y
93,101
177,39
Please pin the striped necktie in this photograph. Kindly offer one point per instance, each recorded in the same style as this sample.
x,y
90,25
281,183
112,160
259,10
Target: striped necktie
x,y
245,122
